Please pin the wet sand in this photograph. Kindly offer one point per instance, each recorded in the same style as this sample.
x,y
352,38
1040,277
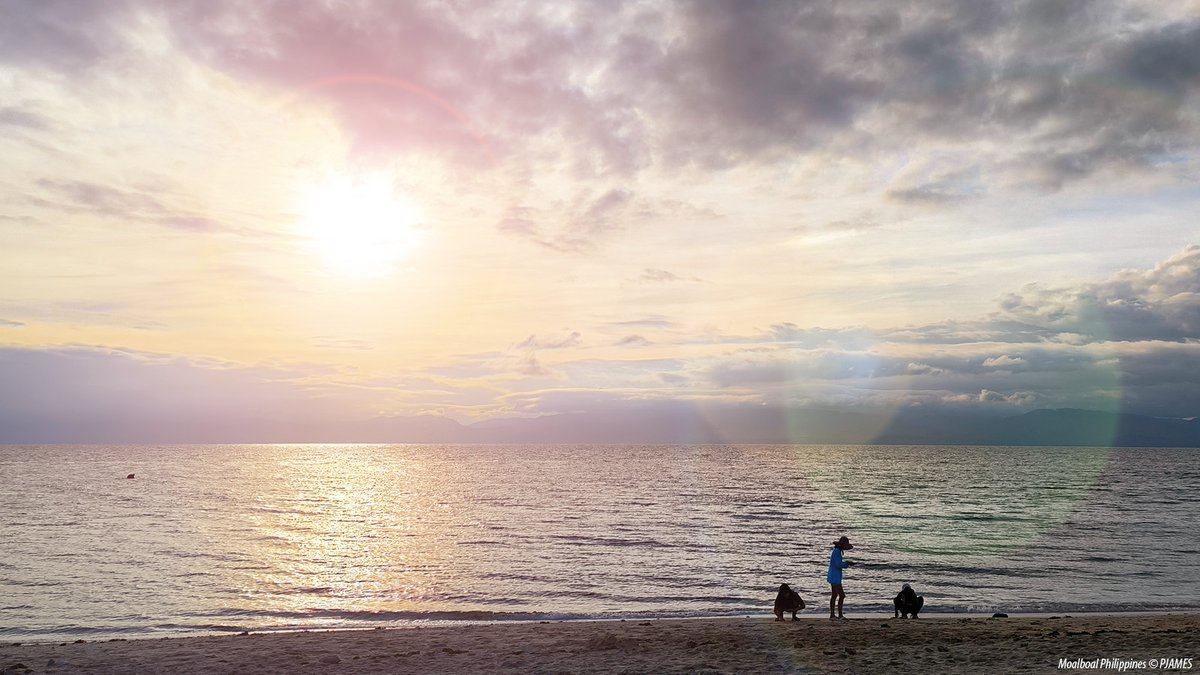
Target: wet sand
x,y
752,645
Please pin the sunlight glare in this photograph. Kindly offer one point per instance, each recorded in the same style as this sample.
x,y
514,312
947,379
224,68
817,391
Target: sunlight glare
x,y
360,226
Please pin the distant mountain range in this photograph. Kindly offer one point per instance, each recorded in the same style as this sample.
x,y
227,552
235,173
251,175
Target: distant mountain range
x,y
650,423
1062,427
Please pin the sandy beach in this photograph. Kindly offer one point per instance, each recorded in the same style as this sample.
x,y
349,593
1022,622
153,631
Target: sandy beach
x,y
753,645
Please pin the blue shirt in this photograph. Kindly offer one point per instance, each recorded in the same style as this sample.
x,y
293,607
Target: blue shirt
x,y
836,565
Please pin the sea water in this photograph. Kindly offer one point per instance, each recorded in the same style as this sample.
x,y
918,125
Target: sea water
x,y
260,537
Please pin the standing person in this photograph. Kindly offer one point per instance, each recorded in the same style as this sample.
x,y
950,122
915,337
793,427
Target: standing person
x,y
834,577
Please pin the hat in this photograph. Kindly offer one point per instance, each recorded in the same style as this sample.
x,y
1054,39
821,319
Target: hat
x,y
844,543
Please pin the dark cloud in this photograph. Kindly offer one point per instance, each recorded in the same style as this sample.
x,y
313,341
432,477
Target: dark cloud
x,y
749,81
632,341
1060,91
1167,60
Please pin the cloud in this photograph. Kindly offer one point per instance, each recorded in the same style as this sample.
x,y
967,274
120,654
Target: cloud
x,y
1158,304
785,368
5,323
953,188
24,119
924,369
92,313
1004,361
1022,398
576,226
94,197
82,394
649,321
571,339
530,366
1033,94
62,35
342,343
656,275
105,200
590,115
1167,60
849,338
1104,345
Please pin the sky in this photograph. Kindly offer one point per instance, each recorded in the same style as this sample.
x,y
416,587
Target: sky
x,y
272,216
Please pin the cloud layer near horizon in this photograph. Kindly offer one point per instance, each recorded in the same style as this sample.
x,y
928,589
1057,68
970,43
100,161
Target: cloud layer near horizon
x,y
1087,351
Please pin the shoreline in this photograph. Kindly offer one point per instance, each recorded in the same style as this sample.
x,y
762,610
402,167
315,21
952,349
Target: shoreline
x,y
935,643
808,615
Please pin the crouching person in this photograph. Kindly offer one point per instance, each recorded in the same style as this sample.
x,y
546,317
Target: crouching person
x,y
787,601
908,602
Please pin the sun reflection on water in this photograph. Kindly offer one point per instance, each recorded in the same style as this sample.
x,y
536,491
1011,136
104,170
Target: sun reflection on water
x,y
345,523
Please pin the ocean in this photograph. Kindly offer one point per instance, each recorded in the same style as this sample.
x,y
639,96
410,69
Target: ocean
x,y
275,537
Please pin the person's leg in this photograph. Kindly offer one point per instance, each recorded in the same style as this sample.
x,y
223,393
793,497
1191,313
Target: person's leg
x,y
834,589
841,597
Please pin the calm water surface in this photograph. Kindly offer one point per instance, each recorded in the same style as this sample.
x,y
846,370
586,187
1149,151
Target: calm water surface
x,y
291,536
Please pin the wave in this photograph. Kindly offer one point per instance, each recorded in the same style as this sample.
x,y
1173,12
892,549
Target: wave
x,y
271,621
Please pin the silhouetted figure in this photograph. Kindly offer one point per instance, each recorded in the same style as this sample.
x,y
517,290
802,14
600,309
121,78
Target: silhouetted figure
x,y
908,602
834,577
787,601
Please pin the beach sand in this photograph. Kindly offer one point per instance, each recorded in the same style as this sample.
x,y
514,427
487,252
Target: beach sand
x,y
753,645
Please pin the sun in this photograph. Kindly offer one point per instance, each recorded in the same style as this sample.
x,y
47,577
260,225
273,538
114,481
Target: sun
x,y
360,226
